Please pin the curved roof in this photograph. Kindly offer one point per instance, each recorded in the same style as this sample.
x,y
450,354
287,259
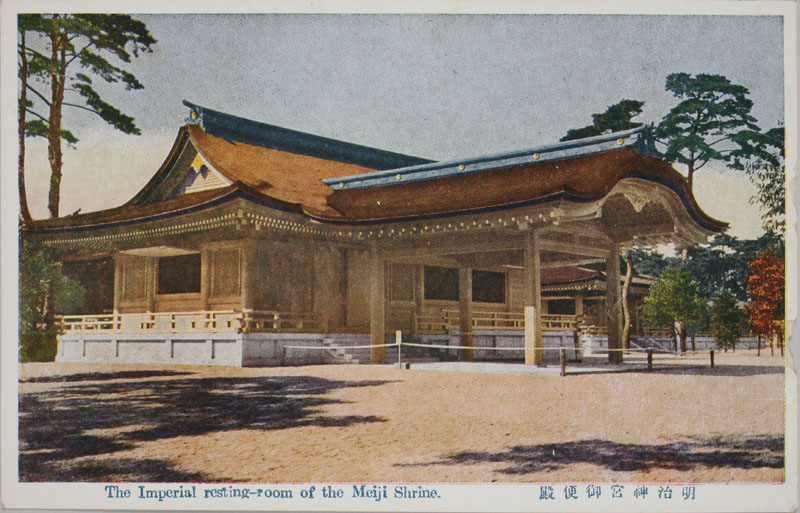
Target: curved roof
x,y
339,182
241,130
575,275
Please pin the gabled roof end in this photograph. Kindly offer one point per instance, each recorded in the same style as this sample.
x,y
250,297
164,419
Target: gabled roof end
x,y
237,129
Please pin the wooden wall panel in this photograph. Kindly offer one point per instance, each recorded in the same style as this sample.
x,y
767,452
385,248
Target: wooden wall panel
x,y
134,275
401,282
357,288
226,273
329,289
178,303
516,281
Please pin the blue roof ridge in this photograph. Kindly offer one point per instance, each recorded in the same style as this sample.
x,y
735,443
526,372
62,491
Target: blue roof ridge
x,y
642,138
237,129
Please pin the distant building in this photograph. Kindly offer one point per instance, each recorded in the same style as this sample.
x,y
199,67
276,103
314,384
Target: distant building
x,y
252,237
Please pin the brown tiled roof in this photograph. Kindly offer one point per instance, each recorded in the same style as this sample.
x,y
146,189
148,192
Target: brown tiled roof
x,y
572,274
553,275
277,174
588,177
294,180
133,212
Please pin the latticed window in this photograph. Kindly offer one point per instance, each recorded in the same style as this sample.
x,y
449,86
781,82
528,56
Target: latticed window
x,y
441,283
179,274
488,287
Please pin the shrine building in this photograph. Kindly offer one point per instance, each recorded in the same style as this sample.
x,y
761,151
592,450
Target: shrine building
x,y
252,238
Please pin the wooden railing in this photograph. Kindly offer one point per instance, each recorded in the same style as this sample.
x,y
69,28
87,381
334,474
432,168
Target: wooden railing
x,y
561,322
647,331
213,321
262,320
593,330
431,324
486,320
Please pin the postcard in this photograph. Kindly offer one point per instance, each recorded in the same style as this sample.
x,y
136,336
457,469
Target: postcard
x,y
447,256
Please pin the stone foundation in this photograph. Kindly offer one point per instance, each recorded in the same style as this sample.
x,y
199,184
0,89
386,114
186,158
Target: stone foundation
x,y
231,349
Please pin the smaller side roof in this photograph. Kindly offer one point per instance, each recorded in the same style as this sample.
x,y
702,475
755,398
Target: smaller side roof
x,y
573,275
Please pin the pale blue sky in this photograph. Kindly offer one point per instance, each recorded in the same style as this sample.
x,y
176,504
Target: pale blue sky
x,y
436,86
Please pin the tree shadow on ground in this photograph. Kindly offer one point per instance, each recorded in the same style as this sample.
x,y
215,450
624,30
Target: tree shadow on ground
x,y
79,421
104,376
735,452
719,370
665,366
115,470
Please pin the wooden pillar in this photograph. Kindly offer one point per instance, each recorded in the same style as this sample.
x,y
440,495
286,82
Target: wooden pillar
x,y
637,324
465,313
205,278
509,293
419,294
308,297
579,296
614,312
151,282
377,305
534,337
322,285
248,270
117,281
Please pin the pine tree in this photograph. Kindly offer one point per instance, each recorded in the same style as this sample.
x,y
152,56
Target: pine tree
x,y
712,122
616,118
77,47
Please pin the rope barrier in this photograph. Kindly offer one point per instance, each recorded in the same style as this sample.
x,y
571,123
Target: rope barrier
x,y
477,348
582,350
342,347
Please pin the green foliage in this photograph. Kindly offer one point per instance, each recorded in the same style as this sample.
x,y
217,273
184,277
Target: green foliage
x,y
616,118
90,37
673,299
712,122
728,321
722,265
767,171
651,263
717,267
44,292
38,128
38,346
57,63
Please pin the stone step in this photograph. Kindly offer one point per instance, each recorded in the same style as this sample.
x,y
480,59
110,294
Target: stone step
x,y
340,354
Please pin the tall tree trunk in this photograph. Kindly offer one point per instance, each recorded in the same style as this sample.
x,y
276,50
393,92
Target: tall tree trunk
x,y
626,308
759,346
24,212
683,335
58,73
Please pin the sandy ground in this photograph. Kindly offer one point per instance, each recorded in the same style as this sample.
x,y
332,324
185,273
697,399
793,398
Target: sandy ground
x,y
684,422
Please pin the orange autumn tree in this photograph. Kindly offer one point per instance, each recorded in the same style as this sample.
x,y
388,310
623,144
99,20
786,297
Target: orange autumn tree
x,y
766,288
